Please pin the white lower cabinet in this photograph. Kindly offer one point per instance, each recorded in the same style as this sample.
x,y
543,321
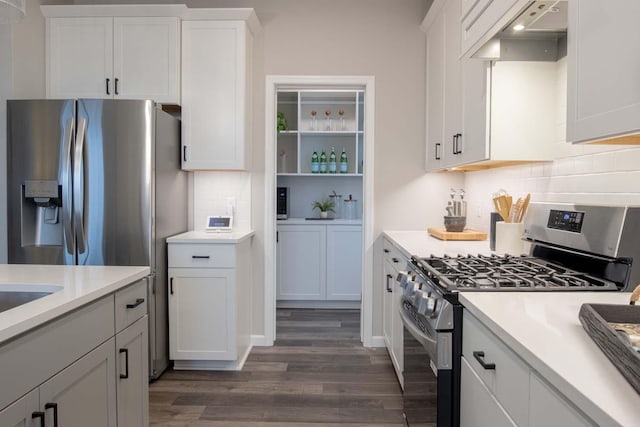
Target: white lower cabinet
x,y
480,408
24,412
319,262
209,292
132,377
394,261
70,372
201,321
499,389
84,393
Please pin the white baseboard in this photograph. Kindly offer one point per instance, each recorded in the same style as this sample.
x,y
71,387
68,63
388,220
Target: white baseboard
x,y
212,365
260,341
318,304
378,341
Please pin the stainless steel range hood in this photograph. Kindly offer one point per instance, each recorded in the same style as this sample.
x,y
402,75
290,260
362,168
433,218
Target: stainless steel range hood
x,y
537,33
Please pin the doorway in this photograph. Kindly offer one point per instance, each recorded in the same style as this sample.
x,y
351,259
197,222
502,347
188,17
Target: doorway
x,y
343,119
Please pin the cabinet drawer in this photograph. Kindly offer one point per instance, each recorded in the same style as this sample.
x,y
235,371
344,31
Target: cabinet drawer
x,y
202,255
508,380
393,255
131,304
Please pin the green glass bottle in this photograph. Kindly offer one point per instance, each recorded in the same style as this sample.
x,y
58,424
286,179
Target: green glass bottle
x,y
315,167
332,161
344,164
323,162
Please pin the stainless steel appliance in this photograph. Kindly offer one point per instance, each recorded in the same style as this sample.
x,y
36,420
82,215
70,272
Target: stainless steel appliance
x,y
282,203
97,182
574,248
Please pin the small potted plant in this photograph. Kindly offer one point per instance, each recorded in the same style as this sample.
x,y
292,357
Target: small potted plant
x,y
324,206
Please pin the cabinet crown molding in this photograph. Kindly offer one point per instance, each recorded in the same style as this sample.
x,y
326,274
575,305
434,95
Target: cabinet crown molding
x,y
155,10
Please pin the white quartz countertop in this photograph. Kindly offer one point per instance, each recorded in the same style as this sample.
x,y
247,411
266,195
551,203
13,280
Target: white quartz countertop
x,y
421,244
211,237
543,328
76,286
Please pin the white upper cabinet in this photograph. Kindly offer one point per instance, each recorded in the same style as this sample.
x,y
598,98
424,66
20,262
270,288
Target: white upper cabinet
x,y
79,57
113,57
216,95
146,58
482,18
603,71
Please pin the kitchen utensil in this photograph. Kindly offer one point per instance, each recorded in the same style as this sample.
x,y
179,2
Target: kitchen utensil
x,y
523,209
514,215
502,206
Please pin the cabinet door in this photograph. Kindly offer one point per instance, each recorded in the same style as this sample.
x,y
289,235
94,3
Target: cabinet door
x,y
85,392
476,89
387,305
202,314
20,413
452,82
344,262
146,59
478,407
549,409
215,63
301,262
603,85
436,151
79,57
132,349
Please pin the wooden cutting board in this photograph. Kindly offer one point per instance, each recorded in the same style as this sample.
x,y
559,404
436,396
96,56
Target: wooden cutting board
x,y
467,234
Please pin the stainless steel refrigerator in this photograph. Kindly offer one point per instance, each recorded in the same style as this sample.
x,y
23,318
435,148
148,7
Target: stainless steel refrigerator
x,y
97,182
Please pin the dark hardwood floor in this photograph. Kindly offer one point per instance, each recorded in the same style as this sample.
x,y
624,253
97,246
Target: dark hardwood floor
x,y
317,374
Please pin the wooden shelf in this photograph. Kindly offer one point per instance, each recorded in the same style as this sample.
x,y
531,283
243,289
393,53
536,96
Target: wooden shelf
x,y
321,174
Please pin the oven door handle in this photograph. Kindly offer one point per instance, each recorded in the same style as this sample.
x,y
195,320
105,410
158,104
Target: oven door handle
x,y
430,344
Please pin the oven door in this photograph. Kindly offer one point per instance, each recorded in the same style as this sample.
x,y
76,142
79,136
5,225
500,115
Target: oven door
x,y
428,378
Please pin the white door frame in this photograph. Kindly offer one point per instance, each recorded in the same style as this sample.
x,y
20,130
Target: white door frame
x,y
273,83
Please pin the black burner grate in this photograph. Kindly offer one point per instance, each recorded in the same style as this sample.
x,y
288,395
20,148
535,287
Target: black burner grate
x,y
492,272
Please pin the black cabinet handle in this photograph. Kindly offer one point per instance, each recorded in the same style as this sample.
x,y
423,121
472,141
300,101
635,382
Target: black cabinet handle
x,y
115,89
171,286
53,406
200,256
108,87
386,251
479,356
396,260
126,363
38,414
388,287
437,155
453,145
184,153
457,137
137,303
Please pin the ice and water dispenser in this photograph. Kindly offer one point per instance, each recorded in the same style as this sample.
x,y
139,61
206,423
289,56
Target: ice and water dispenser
x,y
41,213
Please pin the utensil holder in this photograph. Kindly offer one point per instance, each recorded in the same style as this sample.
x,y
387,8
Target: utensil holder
x,y
509,238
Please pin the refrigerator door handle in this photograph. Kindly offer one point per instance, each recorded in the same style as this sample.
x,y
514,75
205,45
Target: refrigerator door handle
x,y
78,186
67,188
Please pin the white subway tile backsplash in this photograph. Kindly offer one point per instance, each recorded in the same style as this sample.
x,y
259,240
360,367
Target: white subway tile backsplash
x,y
211,190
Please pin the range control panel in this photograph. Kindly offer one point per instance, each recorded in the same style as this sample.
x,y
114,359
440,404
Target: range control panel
x,y
566,220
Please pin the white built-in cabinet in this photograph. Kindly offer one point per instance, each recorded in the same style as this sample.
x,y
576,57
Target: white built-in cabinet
x,y
499,389
216,95
319,262
603,86
209,292
394,262
472,121
480,19
113,57
88,367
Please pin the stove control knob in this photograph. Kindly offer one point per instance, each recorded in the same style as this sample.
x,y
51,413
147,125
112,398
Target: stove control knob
x,y
409,289
402,278
430,306
421,302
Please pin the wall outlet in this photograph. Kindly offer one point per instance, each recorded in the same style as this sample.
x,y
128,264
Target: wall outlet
x,y
231,205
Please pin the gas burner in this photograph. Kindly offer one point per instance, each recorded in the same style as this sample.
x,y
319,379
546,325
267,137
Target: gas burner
x,y
493,272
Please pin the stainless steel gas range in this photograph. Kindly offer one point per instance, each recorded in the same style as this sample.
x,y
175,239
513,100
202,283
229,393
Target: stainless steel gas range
x,y
573,248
